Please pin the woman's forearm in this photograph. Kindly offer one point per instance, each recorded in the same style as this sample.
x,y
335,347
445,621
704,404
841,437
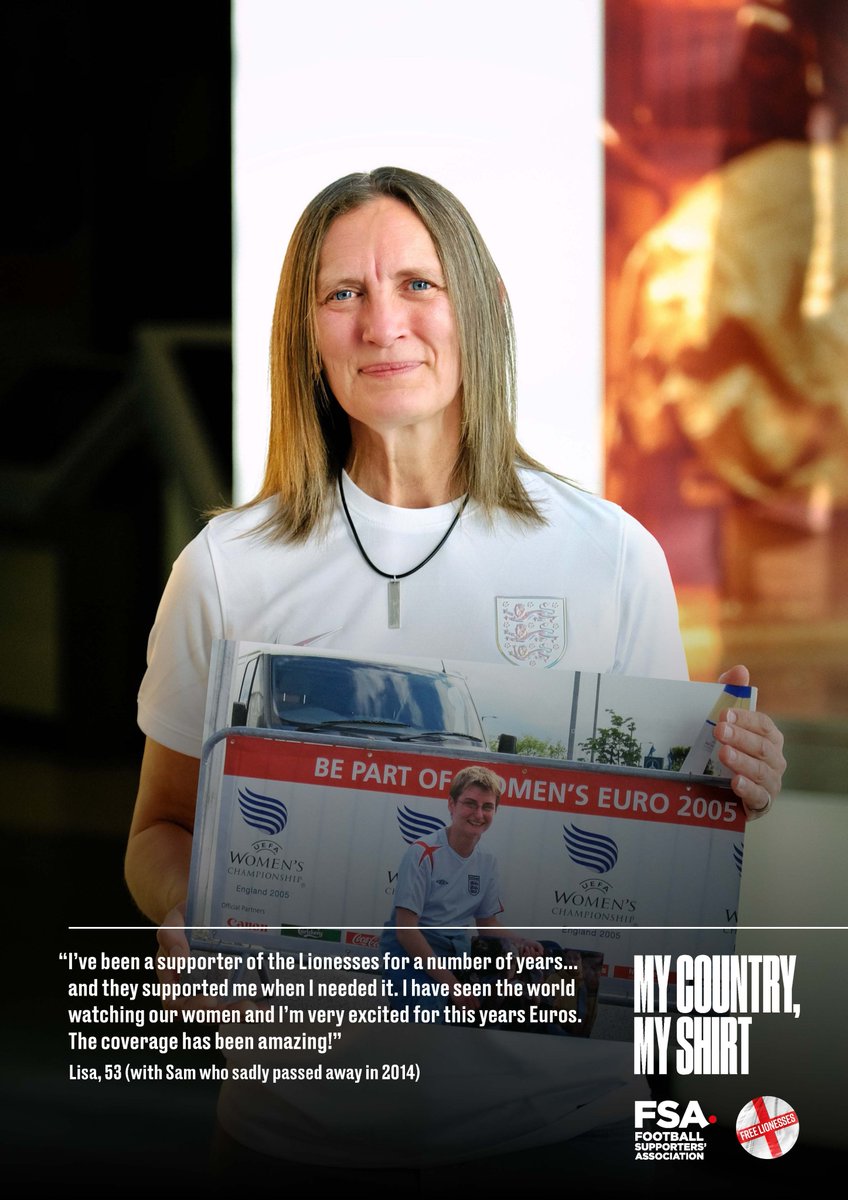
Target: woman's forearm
x,y
157,868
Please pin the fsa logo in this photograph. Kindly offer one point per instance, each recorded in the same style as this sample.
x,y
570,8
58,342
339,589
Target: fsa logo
x,y
665,1114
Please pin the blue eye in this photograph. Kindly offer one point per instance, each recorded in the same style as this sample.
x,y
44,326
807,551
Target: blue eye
x,y
420,285
342,294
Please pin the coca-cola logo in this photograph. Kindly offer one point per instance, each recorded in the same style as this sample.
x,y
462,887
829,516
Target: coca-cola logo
x,y
363,939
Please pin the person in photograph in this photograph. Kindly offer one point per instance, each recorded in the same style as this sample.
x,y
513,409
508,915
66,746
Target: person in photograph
x,y
447,888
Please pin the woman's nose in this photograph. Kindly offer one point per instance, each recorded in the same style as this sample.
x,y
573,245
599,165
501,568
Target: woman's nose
x,y
383,318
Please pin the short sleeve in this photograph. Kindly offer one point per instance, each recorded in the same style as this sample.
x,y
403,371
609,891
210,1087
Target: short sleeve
x,y
648,644
172,697
411,886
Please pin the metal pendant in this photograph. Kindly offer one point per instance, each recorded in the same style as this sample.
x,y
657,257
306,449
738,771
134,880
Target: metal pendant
x,y
394,604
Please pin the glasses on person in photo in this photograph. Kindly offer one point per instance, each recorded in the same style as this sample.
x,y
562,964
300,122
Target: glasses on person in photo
x,y
486,807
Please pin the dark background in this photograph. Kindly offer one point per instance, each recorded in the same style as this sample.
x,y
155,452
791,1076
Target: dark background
x,y
116,220
117,227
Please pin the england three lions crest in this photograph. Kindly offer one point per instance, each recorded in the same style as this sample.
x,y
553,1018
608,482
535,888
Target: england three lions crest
x,y
531,629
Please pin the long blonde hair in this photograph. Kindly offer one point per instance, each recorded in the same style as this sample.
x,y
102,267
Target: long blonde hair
x,y
310,437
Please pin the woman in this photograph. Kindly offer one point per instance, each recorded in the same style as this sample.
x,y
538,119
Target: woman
x,y
448,880
398,515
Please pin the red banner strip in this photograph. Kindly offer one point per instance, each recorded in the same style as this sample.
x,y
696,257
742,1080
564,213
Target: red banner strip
x,y
411,773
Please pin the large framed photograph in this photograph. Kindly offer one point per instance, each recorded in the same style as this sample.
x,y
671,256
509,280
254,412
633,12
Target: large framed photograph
x,y
615,833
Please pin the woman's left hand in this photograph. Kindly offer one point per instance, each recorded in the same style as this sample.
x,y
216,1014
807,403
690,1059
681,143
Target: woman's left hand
x,y
752,748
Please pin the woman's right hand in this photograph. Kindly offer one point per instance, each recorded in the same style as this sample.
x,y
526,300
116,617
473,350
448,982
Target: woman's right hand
x,y
173,943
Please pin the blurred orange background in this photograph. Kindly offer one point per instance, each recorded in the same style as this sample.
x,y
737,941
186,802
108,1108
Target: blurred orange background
x,y
726,309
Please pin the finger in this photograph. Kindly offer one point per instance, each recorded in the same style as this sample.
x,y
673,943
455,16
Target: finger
x,y
756,780
756,777
753,743
749,743
173,943
757,768
738,676
756,799
751,721
166,973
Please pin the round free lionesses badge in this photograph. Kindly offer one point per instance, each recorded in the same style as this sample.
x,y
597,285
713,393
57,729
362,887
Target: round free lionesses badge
x,y
767,1127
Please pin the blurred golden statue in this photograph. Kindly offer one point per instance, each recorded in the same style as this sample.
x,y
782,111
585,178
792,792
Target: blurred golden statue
x,y
727,312
736,328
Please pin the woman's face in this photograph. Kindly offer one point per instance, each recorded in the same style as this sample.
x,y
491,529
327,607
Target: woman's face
x,y
385,325
473,811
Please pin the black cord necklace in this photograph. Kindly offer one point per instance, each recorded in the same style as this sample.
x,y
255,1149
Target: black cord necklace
x,y
395,577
